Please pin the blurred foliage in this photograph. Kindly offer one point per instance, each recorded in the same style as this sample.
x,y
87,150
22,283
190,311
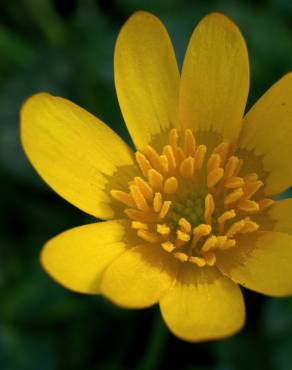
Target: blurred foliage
x,y
66,48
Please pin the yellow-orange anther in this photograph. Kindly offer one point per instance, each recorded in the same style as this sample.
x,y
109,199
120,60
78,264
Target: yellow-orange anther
x,y
148,236
248,206
153,157
233,196
181,235
170,185
227,215
210,258
251,188
123,197
238,167
199,261
165,208
144,188
143,163
181,256
221,239
189,143
179,155
173,137
214,177
234,182
231,166
187,168
209,208
265,203
209,244
228,244
155,179
213,162
138,197
200,156
163,229
139,225
164,163
200,231
185,225
157,202
250,177
136,215
168,152
168,246
222,149
235,228
249,227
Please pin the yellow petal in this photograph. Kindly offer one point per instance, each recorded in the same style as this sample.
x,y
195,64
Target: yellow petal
x,y
74,152
77,257
215,78
261,261
139,277
146,77
267,132
203,305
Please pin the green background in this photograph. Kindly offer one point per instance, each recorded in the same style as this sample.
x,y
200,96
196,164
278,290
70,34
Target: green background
x,y
66,48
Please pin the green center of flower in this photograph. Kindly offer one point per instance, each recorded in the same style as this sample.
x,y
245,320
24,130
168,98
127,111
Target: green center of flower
x,y
189,203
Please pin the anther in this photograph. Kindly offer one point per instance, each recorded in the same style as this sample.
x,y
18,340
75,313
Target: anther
x,y
168,152
168,246
163,229
143,163
144,187
199,261
200,231
153,157
233,196
173,137
231,166
234,182
235,228
181,256
214,177
189,143
139,225
251,188
210,258
123,197
209,208
157,202
185,225
228,244
209,244
148,236
170,185
182,236
155,179
222,149
248,206
139,198
165,208
213,162
227,215
187,168
265,203
199,157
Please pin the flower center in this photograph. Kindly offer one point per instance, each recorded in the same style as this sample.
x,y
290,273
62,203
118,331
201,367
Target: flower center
x,y
190,202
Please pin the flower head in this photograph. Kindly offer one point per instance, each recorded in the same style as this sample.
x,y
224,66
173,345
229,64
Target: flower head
x,y
190,214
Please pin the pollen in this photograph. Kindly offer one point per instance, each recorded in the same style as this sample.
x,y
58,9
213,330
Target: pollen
x,y
190,201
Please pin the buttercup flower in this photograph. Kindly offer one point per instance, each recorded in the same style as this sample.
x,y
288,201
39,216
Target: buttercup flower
x,y
190,214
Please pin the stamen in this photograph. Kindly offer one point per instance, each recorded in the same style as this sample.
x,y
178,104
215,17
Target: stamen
x,y
189,143
210,258
228,244
157,202
209,208
153,156
214,177
227,215
209,244
234,182
182,236
143,163
139,198
199,232
233,196
181,256
148,236
155,179
179,155
164,163
165,208
168,151
213,162
199,261
144,188
222,149
199,157
250,177
187,168
247,205
168,246
235,228
135,214
249,227
251,188
163,229
170,185
231,167
123,197
265,203
185,225
173,137
139,225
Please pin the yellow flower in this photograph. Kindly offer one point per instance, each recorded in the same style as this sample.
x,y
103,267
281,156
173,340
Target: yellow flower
x,y
189,215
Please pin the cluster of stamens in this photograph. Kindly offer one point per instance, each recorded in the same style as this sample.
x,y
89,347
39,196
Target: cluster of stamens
x,y
189,202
